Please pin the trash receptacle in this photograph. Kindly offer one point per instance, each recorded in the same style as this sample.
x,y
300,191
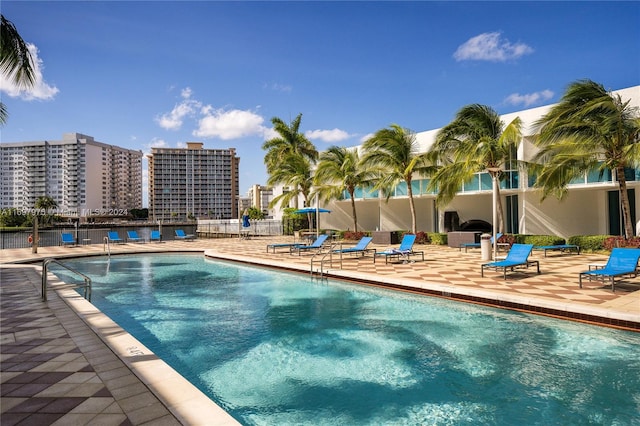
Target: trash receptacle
x,y
485,246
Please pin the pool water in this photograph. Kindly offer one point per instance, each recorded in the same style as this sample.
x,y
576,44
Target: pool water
x,y
277,348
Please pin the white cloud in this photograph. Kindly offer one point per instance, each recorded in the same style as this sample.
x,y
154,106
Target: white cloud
x,y
490,47
529,99
231,124
278,87
173,120
366,137
40,90
186,93
335,135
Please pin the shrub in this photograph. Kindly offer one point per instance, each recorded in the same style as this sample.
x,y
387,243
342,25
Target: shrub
x,y
437,238
589,242
539,240
422,237
612,242
352,235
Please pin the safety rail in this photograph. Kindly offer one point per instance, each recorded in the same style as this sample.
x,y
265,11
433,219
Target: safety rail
x,y
87,280
106,246
324,258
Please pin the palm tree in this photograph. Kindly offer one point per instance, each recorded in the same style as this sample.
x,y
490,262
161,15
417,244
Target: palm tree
x,y
290,143
475,141
16,61
295,171
339,170
46,204
588,129
393,153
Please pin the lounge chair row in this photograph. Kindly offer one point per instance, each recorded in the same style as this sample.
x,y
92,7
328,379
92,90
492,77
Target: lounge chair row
x,y
622,261
404,251
132,237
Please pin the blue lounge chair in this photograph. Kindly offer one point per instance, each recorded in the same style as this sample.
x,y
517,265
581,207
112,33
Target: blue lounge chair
x,y
155,236
405,250
132,236
564,248
359,249
182,236
288,246
622,261
67,239
467,246
317,245
114,237
518,256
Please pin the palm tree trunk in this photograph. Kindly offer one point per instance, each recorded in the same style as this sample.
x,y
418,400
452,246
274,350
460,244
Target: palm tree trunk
x,y
624,201
500,212
353,211
413,208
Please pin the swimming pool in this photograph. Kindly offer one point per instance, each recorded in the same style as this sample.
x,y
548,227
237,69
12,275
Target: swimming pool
x,y
278,348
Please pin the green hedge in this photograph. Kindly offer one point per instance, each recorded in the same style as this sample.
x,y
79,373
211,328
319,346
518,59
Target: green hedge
x,y
437,238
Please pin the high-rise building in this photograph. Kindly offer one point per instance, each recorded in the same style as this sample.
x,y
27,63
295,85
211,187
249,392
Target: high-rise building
x,y
192,182
84,177
261,197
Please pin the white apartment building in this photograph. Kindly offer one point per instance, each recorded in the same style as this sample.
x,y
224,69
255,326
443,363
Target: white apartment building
x,y
85,177
591,207
260,196
193,183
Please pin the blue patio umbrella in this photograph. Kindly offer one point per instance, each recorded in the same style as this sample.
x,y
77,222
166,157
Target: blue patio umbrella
x,y
313,210
245,221
308,210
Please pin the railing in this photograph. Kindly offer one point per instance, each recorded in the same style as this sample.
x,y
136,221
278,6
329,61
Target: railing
x,y
106,246
325,257
87,280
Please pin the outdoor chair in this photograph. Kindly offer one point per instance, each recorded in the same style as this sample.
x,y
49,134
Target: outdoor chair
x,y
518,256
622,262
114,237
317,245
287,246
132,236
359,249
182,236
67,239
155,236
467,246
564,248
405,251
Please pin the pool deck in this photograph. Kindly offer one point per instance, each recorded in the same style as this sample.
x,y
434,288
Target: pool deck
x,y
63,362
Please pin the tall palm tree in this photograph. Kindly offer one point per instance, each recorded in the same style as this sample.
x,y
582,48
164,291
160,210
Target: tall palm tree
x,y
588,129
393,153
339,169
296,172
475,141
45,204
290,142
16,61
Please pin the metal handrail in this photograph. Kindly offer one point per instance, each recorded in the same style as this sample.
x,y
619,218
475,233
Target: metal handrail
x,y
87,280
324,258
106,246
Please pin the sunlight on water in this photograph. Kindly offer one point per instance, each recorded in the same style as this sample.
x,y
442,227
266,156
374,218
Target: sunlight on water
x,y
278,348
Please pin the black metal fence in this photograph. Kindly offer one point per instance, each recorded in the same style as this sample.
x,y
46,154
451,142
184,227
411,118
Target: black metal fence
x,y
91,234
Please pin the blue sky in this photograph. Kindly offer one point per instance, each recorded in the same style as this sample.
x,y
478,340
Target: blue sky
x,y
143,74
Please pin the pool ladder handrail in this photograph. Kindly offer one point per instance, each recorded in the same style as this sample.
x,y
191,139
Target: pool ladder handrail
x,y
106,246
324,258
87,280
